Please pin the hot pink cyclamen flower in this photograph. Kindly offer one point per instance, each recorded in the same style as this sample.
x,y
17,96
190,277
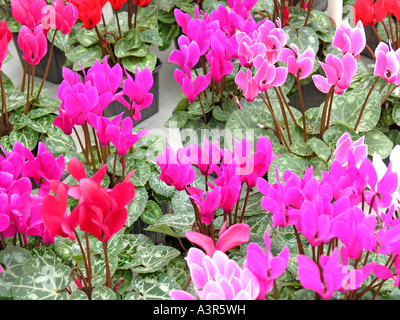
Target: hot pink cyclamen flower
x,y
29,13
66,16
208,204
123,138
264,266
176,168
335,275
33,44
137,90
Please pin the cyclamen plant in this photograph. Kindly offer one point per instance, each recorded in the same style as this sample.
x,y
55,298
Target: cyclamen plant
x,y
346,218
83,104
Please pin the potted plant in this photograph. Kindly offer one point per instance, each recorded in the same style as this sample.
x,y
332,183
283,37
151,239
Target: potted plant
x,y
122,41
28,110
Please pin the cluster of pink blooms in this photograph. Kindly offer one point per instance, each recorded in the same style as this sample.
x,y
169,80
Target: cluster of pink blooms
x,y
37,18
84,102
233,169
20,208
213,38
327,212
332,208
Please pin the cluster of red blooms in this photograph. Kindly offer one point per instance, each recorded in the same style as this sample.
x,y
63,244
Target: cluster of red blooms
x,y
371,12
90,11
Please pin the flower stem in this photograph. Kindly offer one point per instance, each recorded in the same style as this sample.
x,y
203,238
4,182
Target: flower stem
x,y
323,116
285,119
4,108
27,92
303,111
119,26
108,272
86,261
245,204
48,65
202,109
88,144
364,105
81,145
299,244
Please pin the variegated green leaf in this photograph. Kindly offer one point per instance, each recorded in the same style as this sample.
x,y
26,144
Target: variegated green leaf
x,y
136,207
43,283
27,136
152,259
153,287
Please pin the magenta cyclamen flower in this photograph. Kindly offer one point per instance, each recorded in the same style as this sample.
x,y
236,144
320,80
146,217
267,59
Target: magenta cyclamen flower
x,y
264,266
123,138
228,238
204,157
387,65
137,90
250,166
176,168
189,87
298,64
28,13
218,278
187,55
208,204
101,123
242,7
220,62
350,40
335,276
33,44
44,168
339,73
76,103
66,16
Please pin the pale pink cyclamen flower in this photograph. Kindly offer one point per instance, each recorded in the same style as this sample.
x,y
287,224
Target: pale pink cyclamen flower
x,y
350,40
387,65
273,37
381,170
298,64
345,145
218,278
339,73
248,49
228,238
